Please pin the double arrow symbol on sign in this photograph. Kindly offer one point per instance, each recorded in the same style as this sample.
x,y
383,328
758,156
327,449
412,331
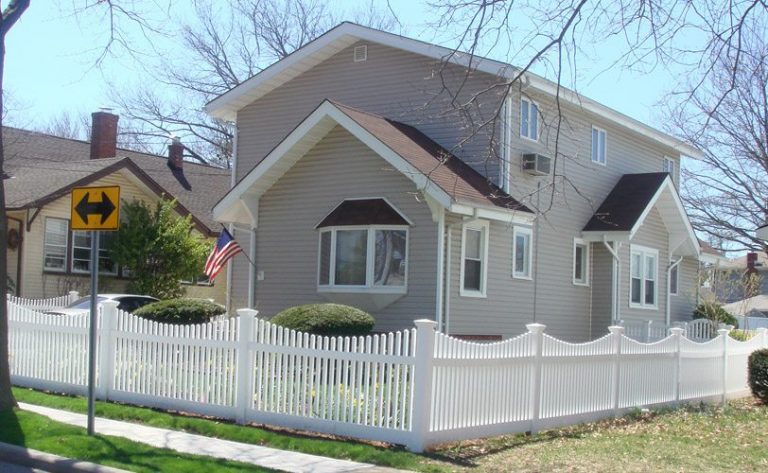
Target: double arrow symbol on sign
x,y
104,208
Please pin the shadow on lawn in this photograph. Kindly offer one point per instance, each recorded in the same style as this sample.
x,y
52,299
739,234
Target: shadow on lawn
x,y
10,428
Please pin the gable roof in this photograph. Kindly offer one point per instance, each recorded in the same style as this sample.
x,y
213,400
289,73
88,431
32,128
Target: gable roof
x,y
443,177
44,167
345,34
626,207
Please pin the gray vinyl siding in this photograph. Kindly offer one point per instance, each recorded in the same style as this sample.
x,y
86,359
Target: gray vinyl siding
x,y
602,283
683,304
406,87
653,234
338,167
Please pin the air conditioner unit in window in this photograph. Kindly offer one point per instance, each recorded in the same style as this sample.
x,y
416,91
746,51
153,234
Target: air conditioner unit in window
x,y
537,164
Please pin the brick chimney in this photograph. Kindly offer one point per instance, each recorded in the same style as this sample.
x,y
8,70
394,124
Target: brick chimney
x,y
176,153
103,134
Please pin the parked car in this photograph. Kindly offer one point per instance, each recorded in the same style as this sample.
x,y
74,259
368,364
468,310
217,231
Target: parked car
x,y
126,302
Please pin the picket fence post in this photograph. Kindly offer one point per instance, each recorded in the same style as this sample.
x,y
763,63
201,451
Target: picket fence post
x,y
73,296
106,348
677,332
762,332
244,373
723,332
421,409
538,349
647,331
616,332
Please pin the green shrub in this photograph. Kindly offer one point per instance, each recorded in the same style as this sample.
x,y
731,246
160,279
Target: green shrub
x,y
716,313
181,311
326,319
741,335
758,374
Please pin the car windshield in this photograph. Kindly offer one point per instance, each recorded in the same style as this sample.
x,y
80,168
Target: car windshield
x,y
85,302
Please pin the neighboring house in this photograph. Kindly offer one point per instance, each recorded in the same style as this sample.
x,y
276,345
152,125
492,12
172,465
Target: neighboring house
x,y
355,185
733,281
45,258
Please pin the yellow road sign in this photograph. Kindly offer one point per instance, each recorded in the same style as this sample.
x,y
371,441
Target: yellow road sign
x,y
95,208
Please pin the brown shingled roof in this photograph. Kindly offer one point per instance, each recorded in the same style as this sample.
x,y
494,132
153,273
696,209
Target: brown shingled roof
x,y
448,172
42,165
626,202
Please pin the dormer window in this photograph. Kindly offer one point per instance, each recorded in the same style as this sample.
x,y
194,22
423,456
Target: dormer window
x,y
363,247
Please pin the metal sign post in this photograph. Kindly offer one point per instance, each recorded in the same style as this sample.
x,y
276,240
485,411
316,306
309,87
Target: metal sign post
x,y
94,209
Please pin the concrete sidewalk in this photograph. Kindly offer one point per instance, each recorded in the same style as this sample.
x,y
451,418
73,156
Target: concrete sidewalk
x,y
199,445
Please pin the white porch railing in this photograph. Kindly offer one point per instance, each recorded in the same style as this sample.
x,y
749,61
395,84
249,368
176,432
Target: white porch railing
x,y
414,387
45,304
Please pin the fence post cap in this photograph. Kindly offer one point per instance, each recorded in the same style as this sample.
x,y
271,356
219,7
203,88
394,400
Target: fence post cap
x,y
616,329
725,330
677,331
247,312
74,293
110,304
425,323
536,328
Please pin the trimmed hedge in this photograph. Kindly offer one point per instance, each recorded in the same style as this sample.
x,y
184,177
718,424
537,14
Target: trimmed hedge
x,y
758,374
181,311
326,319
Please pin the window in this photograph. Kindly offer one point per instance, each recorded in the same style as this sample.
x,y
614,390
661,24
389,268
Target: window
x,y
668,166
673,279
81,253
371,258
643,277
529,120
599,143
55,245
474,259
580,262
521,253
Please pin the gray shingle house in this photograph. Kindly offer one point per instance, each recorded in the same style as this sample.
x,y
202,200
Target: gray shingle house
x,y
356,183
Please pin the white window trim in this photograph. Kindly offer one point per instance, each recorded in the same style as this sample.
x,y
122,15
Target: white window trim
x,y
67,233
585,282
676,269
484,227
591,145
538,114
369,287
529,232
644,251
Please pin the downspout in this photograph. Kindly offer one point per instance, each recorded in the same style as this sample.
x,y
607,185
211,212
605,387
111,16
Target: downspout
x,y
614,281
232,182
252,269
440,268
672,266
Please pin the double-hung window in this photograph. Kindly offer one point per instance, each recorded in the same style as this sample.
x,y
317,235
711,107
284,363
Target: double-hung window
x,y
81,253
521,253
55,245
474,259
363,247
599,145
529,120
644,275
580,262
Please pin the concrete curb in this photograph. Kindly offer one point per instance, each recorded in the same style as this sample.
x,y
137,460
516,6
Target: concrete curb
x,y
49,462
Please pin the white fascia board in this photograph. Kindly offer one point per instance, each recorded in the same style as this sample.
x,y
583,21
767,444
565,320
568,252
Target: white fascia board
x,y
226,106
596,236
497,214
324,112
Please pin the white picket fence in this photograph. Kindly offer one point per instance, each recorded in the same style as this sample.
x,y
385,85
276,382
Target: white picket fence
x,y
414,387
45,304
647,331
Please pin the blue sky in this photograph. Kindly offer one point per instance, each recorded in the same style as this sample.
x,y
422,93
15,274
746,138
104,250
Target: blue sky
x,y
50,63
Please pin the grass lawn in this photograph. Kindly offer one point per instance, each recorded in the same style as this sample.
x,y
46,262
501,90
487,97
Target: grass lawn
x,y
40,433
692,439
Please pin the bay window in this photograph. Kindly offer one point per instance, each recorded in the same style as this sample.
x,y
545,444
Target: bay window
x,y
644,274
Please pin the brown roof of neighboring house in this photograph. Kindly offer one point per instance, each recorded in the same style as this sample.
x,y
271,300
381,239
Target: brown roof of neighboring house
x,y
448,172
44,167
626,202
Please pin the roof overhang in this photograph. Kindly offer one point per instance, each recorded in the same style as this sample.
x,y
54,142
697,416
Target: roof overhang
x,y
240,205
682,238
226,106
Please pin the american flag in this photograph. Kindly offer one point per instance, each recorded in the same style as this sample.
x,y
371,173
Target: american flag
x,y
225,248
